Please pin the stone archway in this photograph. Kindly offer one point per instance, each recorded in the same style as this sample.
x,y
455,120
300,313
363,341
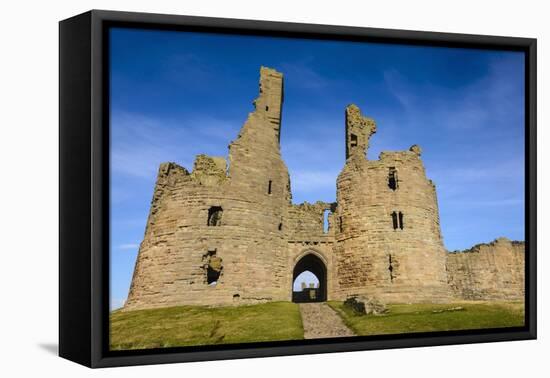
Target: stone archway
x,y
312,263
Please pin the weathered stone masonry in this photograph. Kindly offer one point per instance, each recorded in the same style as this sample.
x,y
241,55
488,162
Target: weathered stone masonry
x,y
493,271
228,233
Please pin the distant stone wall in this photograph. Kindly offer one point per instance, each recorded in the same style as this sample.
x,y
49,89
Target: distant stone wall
x,y
493,271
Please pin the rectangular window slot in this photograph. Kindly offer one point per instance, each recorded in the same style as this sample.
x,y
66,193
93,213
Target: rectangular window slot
x,y
353,140
397,220
325,221
394,220
392,179
390,268
215,216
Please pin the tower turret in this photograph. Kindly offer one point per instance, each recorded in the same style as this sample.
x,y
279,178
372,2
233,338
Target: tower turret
x,y
388,239
359,129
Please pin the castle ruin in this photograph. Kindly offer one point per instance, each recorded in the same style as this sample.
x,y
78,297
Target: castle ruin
x,y
228,232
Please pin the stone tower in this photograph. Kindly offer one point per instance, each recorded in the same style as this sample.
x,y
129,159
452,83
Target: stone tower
x,y
213,236
230,234
388,241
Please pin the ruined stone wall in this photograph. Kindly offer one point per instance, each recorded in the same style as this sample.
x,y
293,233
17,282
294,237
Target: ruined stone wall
x,y
305,232
228,233
245,249
493,271
388,240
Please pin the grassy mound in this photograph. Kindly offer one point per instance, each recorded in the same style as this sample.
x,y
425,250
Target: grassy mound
x,y
408,318
196,325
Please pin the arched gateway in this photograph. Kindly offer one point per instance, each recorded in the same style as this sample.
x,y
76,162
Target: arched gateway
x,y
312,263
218,224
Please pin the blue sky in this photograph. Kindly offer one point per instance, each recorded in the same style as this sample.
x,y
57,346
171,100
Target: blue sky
x,y
177,94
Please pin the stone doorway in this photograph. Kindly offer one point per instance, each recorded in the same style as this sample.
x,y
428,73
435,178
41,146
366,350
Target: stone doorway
x,y
318,293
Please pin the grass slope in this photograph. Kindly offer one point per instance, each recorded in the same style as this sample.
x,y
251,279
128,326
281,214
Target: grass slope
x,y
408,318
198,325
194,325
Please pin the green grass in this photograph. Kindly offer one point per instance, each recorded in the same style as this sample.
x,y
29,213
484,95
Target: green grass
x,y
408,318
197,325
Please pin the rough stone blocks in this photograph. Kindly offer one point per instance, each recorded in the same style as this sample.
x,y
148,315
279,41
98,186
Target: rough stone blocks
x,y
228,233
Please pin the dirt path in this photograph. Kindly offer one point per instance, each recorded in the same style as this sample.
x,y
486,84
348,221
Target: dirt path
x,y
320,321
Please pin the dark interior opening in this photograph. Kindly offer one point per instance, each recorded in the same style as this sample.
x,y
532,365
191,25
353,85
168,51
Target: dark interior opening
x,y
390,268
215,216
214,267
315,265
353,140
392,178
394,220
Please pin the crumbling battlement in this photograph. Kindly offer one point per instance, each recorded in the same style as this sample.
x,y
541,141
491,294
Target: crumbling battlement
x,y
227,233
307,221
488,271
359,129
209,170
267,113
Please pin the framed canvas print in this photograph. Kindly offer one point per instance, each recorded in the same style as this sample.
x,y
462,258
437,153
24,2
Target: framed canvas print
x,y
234,188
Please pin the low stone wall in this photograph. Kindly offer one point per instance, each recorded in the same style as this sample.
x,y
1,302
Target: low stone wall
x,y
493,271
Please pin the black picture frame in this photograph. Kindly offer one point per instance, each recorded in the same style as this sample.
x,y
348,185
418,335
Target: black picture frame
x,y
84,187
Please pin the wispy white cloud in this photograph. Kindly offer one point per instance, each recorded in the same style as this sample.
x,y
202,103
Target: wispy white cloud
x,y
482,170
315,156
468,203
127,246
130,223
223,130
300,74
398,86
483,184
469,107
141,143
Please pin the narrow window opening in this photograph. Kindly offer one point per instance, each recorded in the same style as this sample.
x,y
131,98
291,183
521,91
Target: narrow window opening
x,y
340,224
397,220
394,220
390,268
267,108
325,221
215,216
269,187
392,179
353,141
280,226
213,267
